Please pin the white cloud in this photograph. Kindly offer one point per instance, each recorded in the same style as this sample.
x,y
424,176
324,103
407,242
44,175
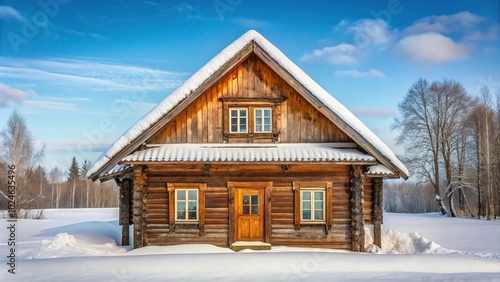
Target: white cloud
x,y
490,35
9,94
381,112
53,106
342,54
90,75
182,7
370,32
432,47
72,145
9,12
445,23
358,74
341,24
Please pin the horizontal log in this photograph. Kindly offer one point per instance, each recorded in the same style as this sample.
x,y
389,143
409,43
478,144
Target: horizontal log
x,y
156,221
221,242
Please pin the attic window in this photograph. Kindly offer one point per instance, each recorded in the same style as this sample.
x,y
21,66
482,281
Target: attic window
x,y
262,120
238,121
250,120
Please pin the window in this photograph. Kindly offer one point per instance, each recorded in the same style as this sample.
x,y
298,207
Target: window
x,y
186,204
312,205
250,204
238,122
262,119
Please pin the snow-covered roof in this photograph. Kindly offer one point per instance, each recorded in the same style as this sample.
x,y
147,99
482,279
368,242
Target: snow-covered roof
x,y
379,170
131,139
281,152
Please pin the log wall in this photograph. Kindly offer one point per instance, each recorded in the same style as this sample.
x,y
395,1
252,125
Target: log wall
x,y
282,231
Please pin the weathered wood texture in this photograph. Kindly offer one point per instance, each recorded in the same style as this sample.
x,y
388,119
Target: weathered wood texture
x,y
368,199
378,187
297,121
126,208
280,229
139,211
357,215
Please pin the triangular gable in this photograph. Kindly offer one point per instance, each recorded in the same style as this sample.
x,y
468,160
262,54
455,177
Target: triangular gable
x,y
250,42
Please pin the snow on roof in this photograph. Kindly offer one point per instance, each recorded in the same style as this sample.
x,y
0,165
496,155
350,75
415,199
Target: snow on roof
x,y
202,75
379,170
281,152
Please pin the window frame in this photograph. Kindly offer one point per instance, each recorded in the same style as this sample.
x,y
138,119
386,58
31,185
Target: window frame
x,y
187,201
263,109
239,109
172,205
313,200
324,186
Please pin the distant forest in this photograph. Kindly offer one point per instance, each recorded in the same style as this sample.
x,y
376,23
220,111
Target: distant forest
x,y
38,188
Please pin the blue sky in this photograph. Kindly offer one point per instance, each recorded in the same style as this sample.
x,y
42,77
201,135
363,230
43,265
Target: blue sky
x,y
83,72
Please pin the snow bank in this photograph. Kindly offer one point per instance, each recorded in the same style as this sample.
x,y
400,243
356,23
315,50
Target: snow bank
x,y
65,245
396,242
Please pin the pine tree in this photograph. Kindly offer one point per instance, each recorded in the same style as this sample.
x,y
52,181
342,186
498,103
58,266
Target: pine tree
x,y
83,174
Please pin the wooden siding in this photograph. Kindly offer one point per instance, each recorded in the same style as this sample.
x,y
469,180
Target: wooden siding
x,y
217,204
297,120
368,201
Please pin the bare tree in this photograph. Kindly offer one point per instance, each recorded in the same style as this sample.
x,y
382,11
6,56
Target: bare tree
x,y
83,174
486,143
430,130
73,176
55,178
17,148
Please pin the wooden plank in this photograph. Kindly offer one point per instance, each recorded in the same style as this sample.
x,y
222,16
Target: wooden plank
x,y
268,214
201,213
240,81
189,126
171,206
209,125
204,119
251,76
296,189
231,229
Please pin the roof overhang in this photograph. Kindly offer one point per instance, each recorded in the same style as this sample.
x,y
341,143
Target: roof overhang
x,y
275,153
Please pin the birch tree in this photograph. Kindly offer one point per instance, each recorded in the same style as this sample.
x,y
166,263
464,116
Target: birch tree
x,y
17,148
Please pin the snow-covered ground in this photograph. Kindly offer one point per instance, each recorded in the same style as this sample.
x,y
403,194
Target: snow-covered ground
x,y
80,245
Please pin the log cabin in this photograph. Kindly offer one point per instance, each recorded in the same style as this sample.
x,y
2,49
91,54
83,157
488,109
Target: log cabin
x,y
249,149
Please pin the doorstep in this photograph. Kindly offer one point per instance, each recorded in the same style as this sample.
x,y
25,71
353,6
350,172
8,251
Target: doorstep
x,y
251,245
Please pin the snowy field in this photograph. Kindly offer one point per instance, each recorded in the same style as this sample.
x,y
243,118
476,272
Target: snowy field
x,y
80,245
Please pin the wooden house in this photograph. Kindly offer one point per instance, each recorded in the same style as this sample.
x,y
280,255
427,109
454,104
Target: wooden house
x,y
250,148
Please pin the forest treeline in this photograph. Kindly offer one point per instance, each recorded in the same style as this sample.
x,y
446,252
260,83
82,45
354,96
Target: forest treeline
x,y
451,141
35,187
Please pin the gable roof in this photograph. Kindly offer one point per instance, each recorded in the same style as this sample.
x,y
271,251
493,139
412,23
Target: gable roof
x,y
249,42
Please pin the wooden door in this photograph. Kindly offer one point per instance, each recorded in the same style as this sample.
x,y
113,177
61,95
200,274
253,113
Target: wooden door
x,y
249,213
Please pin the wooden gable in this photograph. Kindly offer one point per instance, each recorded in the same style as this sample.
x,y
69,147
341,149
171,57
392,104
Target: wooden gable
x,y
296,120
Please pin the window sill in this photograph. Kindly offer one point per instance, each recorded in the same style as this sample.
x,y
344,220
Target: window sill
x,y
312,222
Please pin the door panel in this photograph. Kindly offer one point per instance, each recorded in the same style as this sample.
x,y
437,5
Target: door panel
x,y
249,212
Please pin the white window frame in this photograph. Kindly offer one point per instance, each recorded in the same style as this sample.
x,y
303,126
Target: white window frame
x,y
313,209
238,124
186,201
262,118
